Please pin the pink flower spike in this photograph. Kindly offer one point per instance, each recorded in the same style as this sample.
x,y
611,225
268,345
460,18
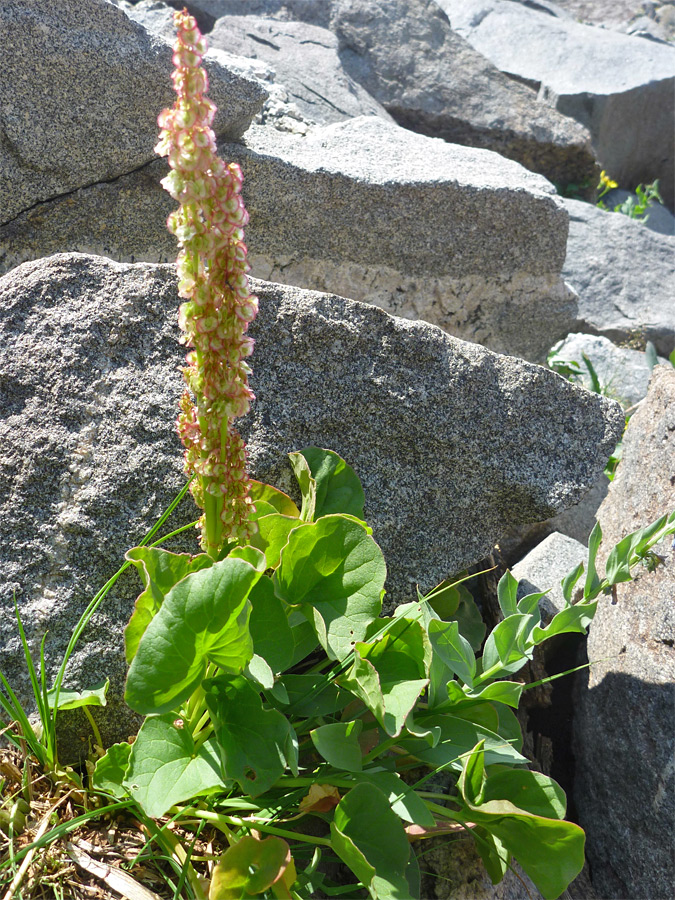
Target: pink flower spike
x,y
212,269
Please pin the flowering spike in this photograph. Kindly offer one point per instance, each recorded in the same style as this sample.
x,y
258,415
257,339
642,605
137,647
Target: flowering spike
x,y
212,269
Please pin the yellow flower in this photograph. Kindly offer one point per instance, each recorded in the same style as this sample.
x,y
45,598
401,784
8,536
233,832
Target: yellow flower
x,y
606,181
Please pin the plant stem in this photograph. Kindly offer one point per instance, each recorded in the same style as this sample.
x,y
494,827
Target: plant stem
x,y
222,822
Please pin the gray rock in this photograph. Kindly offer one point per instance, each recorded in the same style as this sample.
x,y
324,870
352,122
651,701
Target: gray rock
x,y
620,87
544,567
459,237
306,62
623,373
624,276
278,110
654,19
405,55
79,99
432,81
576,523
451,441
314,12
625,717
658,218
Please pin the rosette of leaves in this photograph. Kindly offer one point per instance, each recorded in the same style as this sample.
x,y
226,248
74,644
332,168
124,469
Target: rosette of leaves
x,y
275,693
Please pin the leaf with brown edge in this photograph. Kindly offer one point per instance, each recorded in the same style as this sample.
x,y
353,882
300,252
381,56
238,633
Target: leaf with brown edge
x,y
321,798
250,867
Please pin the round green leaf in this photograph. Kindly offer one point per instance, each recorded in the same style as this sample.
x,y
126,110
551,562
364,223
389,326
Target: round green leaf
x,y
252,740
338,743
335,571
165,769
369,837
203,618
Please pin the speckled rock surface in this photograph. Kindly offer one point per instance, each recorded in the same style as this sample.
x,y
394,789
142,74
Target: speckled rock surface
x,y
451,441
458,237
461,238
625,713
404,53
431,80
81,90
623,373
605,80
305,59
544,567
624,276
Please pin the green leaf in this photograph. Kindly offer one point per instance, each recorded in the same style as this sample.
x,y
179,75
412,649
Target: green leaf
x,y
260,673
336,572
272,536
508,692
404,801
338,743
165,768
159,571
203,618
550,851
592,584
617,567
413,876
444,599
313,696
506,650
507,594
271,634
369,838
304,637
529,605
252,740
571,619
469,619
272,497
671,358
494,854
307,485
388,675
249,868
95,696
111,769
454,650
473,775
570,580
458,737
249,554
532,791
338,489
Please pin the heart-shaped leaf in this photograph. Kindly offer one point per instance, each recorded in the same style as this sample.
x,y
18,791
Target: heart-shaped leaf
x,y
165,768
272,536
338,489
159,571
252,740
369,838
250,867
272,497
111,769
336,572
271,634
338,743
203,618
